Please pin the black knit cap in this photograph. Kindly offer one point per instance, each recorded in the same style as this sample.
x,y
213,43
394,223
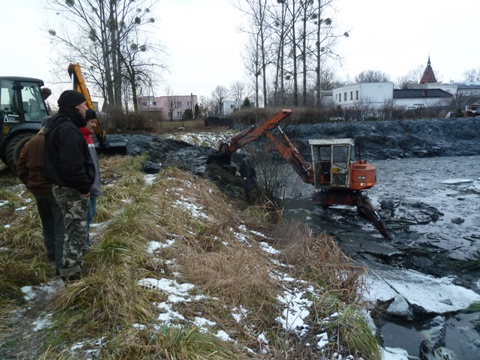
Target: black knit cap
x,y
90,115
70,99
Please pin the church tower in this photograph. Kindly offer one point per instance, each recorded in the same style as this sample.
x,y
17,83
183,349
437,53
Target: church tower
x,y
428,76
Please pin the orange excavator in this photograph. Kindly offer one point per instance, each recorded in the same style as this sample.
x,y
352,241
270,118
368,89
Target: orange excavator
x,y
339,179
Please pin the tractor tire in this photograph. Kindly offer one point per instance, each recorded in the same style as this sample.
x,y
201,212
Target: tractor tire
x,y
15,146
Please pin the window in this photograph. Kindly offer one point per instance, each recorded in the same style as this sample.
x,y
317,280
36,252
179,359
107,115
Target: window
x,y
351,95
178,104
345,96
154,103
189,104
179,114
356,95
339,97
340,156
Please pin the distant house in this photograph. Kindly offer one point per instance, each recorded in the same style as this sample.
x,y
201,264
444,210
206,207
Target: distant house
x,y
466,90
229,106
174,105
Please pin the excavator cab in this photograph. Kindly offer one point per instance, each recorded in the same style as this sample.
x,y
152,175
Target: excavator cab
x,y
334,167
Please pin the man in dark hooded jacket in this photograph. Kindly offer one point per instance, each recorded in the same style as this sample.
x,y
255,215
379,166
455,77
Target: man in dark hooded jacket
x,y
69,166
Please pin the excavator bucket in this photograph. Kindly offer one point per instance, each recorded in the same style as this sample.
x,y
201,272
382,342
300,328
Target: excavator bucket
x,y
359,199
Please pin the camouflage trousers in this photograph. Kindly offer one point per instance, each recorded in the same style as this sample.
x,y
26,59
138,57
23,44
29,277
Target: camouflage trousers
x,y
74,208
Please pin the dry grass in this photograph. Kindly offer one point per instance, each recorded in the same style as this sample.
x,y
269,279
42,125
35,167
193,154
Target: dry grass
x,y
172,343
237,276
167,127
320,259
112,298
211,249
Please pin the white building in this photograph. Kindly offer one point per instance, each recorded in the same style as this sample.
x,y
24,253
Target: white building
x,y
373,94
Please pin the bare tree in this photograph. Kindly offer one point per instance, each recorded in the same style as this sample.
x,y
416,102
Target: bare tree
x,y
293,10
472,75
365,109
206,106
325,41
237,90
413,77
108,37
280,28
139,71
288,41
367,76
219,95
251,61
258,54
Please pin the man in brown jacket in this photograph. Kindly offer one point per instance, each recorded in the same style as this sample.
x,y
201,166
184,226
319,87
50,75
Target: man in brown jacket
x,y
30,170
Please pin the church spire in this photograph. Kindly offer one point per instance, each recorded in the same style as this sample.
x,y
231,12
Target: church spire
x,y
428,76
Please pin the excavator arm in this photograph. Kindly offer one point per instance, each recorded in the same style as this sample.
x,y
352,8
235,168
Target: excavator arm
x,y
79,84
292,156
284,146
253,133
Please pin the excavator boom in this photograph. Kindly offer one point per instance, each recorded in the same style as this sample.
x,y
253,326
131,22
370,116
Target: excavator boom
x,y
290,153
253,133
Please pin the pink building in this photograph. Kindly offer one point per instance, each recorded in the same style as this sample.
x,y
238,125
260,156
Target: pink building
x,y
166,105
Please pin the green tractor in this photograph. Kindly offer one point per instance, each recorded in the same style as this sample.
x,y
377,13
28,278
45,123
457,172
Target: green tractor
x,y
22,109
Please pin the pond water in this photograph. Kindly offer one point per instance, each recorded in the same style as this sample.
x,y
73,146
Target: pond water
x,y
449,246
408,336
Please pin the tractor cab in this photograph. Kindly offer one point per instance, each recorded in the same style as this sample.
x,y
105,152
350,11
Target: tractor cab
x,y
22,108
21,100
334,167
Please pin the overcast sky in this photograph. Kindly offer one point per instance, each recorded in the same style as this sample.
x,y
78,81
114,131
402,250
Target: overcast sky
x,y
203,44
397,36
